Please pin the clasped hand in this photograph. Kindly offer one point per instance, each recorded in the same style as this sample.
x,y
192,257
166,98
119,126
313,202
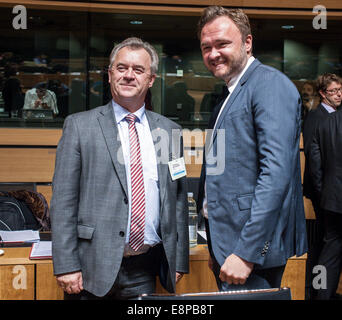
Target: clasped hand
x,y
71,283
235,270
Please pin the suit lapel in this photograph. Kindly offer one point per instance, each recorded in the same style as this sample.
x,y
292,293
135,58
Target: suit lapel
x,y
110,132
154,123
235,94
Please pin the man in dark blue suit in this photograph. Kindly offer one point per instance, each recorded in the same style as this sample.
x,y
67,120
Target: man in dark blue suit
x,y
251,186
325,160
311,121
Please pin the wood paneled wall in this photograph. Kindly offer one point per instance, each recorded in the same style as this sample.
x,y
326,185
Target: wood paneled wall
x,y
260,8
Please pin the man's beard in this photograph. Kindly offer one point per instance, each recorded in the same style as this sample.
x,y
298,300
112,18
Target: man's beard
x,y
236,65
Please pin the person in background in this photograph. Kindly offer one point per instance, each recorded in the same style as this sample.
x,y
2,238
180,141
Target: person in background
x,y
251,192
310,98
41,98
118,219
313,118
325,159
12,91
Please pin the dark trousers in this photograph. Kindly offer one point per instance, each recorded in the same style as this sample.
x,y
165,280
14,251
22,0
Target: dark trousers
x,y
331,255
137,275
315,232
258,279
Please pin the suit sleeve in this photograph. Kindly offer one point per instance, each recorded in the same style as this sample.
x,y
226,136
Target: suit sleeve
x,y
64,202
275,104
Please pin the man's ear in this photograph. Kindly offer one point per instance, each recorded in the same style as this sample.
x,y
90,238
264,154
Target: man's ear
x,y
249,43
322,94
153,77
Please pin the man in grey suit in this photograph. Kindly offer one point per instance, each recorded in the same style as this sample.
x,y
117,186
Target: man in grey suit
x,y
118,217
251,182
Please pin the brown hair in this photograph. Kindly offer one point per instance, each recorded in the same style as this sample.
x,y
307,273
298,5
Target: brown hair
x,y
324,80
236,15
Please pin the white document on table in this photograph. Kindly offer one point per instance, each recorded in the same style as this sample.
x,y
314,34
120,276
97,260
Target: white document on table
x,y
41,250
19,236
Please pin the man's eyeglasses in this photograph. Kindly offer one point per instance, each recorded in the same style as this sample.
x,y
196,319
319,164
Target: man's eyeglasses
x,y
334,91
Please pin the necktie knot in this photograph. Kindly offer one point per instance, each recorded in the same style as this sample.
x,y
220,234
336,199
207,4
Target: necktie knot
x,y
131,118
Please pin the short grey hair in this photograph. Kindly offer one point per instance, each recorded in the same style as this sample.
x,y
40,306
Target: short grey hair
x,y
135,44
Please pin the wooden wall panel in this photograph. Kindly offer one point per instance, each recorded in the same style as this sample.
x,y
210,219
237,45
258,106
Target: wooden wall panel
x,y
309,210
339,289
259,9
302,164
294,277
17,282
30,137
46,191
299,4
27,164
46,284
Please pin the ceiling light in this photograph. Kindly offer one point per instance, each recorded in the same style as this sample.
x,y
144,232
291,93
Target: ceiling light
x,y
287,27
135,22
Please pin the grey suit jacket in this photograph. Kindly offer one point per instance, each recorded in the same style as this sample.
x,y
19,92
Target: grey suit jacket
x,y
255,202
89,206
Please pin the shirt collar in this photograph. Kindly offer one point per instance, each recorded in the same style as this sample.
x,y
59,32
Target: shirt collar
x,y
328,108
120,113
235,80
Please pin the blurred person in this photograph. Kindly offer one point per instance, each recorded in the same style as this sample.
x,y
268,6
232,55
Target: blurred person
x,y
12,91
310,98
325,160
41,98
311,122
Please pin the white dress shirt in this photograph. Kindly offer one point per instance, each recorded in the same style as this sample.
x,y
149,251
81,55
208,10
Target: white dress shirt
x,y
231,86
150,173
49,98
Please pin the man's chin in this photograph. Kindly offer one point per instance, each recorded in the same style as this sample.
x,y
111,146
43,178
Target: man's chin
x,y
220,73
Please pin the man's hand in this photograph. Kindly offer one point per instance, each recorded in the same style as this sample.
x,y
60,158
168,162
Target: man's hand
x,y
37,103
235,270
179,276
71,282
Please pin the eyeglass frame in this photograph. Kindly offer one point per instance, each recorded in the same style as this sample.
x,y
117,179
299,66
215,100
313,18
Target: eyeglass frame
x,y
334,91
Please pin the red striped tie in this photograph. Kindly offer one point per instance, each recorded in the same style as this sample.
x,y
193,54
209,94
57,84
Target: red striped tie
x,y
137,230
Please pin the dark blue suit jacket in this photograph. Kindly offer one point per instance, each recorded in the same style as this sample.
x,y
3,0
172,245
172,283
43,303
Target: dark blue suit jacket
x,y
252,172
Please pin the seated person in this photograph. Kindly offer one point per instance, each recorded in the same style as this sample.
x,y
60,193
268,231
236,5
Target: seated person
x,y
310,98
40,59
41,98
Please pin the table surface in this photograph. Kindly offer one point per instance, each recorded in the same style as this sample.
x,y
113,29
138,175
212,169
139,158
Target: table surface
x,y
20,255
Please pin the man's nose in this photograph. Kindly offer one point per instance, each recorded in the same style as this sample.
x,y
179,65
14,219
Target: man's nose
x,y
214,54
129,73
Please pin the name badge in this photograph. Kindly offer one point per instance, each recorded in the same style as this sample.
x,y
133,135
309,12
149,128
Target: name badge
x,y
177,168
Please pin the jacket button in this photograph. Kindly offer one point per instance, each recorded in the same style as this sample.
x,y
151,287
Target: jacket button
x,y
125,200
121,233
